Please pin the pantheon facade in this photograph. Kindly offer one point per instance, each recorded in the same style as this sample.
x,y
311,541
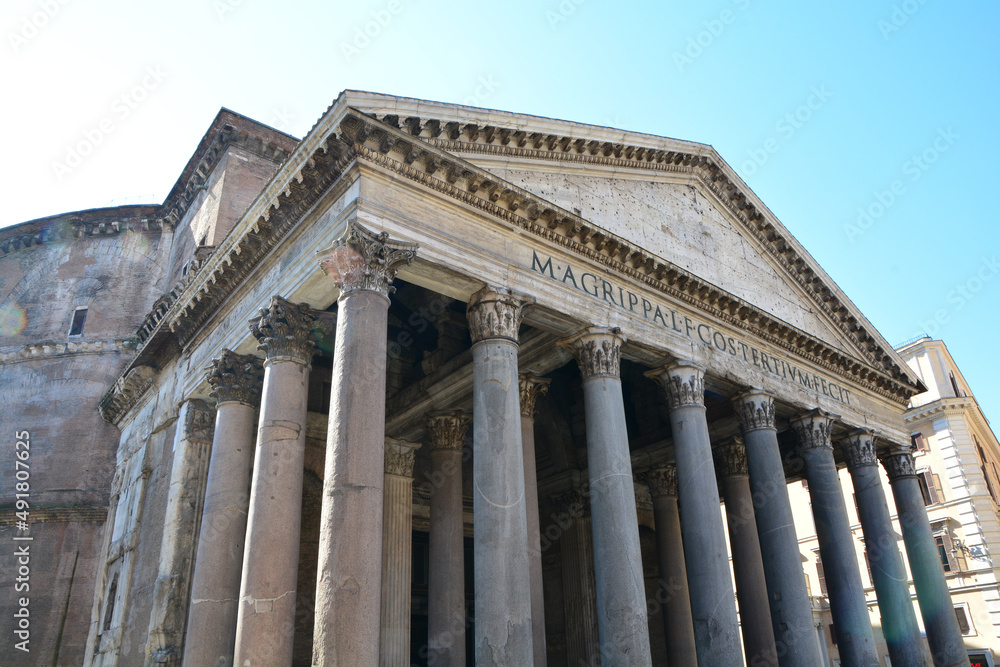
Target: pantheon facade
x,y
440,385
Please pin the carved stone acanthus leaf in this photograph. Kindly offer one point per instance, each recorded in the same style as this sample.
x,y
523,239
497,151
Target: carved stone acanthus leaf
x,y
597,351
236,377
399,455
495,312
364,260
859,449
286,329
732,458
531,387
572,504
199,421
662,481
683,382
898,464
754,409
813,429
446,430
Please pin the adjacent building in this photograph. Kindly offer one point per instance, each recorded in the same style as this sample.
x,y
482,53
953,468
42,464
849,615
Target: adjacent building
x,y
441,385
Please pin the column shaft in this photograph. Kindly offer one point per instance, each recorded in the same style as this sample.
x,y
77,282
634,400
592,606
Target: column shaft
x,y
677,623
530,388
855,640
579,589
899,622
397,553
503,593
748,567
215,587
791,611
446,578
943,634
621,595
349,572
713,606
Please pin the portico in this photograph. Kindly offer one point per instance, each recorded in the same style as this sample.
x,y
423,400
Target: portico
x,y
526,358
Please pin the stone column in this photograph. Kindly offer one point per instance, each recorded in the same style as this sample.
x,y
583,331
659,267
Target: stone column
x,y
713,605
791,611
530,388
191,448
265,624
748,566
855,640
446,578
215,589
943,634
349,572
621,595
677,624
503,593
579,590
899,622
397,553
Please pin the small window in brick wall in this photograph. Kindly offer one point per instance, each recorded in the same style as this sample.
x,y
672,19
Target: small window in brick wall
x,y
79,318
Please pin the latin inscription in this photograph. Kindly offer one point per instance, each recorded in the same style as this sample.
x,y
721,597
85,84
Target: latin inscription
x,y
700,332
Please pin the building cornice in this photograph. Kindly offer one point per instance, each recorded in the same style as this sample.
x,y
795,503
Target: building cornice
x,y
52,349
940,406
337,142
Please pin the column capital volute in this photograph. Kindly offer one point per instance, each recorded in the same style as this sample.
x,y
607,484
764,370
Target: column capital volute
x,y
531,387
495,313
662,481
363,260
898,463
813,429
859,448
236,378
446,430
731,456
682,381
286,329
754,409
399,455
597,351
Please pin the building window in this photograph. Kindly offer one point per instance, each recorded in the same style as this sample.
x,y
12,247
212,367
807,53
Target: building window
x,y
928,487
946,550
833,634
822,577
110,601
954,385
918,442
964,621
868,566
79,318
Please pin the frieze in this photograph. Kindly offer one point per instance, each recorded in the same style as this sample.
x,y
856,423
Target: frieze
x,y
365,261
530,388
236,377
754,409
495,312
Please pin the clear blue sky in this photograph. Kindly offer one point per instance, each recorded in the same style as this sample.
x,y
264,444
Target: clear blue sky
x,y
827,110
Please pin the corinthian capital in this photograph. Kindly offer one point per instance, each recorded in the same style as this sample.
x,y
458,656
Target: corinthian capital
x,y
732,458
286,329
199,421
859,449
597,351
495,312
364,260
236,377
446,430
662,481
682,381
531,387
754,409
813,429
399,456
898,464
